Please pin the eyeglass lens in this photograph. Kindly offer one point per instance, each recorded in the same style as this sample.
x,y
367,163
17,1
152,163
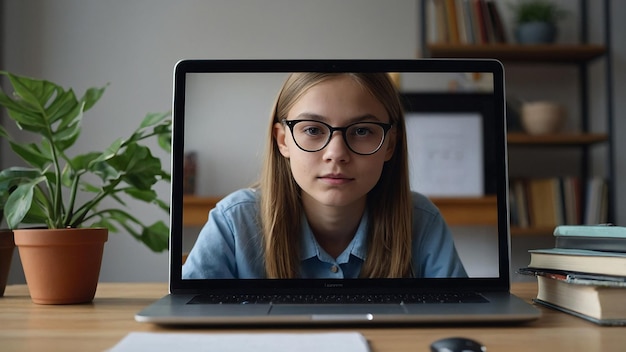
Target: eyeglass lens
x,y
361,138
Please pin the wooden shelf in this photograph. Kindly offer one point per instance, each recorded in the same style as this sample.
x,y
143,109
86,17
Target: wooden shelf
x,y
468,211
456,211
561,53
532,231
562,139
196,209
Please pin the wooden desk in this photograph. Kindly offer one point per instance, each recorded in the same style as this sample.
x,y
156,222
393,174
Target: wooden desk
x,y
25,326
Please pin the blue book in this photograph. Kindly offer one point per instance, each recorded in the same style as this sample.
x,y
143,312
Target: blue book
x,y
579,260
592,237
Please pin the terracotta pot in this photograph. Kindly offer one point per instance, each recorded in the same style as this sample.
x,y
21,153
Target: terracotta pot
x,y
61,266
6,254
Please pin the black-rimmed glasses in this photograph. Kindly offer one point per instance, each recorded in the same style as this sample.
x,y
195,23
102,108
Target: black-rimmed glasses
x,y
362,138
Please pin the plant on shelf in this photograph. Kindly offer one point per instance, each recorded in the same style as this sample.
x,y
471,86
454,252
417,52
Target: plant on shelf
x,y
536,21
63,190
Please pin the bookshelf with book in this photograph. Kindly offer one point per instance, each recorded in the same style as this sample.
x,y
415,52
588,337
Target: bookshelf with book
x,y
478,29
466,22
550,202
584,274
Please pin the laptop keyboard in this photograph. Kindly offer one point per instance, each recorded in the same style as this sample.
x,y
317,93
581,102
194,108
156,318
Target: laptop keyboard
x,y
466,297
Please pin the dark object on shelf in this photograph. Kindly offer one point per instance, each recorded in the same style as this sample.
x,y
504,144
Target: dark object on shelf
x,y
189,173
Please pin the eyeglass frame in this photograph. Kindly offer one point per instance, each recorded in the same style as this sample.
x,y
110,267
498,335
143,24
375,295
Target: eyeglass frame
x,y
386,128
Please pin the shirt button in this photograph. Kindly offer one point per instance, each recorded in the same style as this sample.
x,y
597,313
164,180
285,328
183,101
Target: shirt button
x,y
334,269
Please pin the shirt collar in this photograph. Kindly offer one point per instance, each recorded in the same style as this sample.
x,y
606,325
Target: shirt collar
x,y
357,247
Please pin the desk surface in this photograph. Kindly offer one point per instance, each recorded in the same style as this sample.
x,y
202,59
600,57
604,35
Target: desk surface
x,y
25,326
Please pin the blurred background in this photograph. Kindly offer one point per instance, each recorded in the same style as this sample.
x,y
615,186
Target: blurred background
x,y
134,45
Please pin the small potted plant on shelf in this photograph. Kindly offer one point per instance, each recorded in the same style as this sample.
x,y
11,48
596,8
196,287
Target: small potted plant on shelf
x,y
536,21
61,191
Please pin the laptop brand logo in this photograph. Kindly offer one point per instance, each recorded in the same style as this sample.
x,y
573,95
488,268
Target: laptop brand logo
x,y
332,285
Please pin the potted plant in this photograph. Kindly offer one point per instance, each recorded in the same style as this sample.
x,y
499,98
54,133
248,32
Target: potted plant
x,y
61,191
536,20
6,249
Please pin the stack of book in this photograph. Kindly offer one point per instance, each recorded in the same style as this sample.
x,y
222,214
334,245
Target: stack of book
x,y
584,274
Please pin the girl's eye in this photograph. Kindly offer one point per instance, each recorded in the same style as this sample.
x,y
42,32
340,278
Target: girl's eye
x,y
312,130
362,131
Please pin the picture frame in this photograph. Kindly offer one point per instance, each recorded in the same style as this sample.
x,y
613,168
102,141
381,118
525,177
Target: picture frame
x,y
452,171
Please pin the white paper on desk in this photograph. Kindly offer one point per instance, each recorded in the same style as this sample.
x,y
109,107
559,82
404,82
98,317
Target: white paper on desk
x,y
236,342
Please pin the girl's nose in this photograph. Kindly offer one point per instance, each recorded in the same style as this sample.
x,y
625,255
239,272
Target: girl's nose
x,y
337,149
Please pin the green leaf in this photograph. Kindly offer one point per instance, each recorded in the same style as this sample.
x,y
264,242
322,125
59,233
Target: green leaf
x,y
137,166
163,205
67,176
152,119
88,187
144,195
18,175
9,103
82,161
28,121
31,154
64,107
103,222
91,97
35,92
4,133
19,202
156,236
37,214
68,140
67,133
108,153
105,171
164,136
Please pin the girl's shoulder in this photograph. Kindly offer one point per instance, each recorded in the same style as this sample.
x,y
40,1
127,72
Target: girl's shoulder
x,y
245,197
421,203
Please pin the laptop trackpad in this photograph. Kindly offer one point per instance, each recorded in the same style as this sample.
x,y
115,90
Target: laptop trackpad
x,y
320,310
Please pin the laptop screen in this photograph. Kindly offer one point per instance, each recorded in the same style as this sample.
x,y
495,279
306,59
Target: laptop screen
x,y
455,138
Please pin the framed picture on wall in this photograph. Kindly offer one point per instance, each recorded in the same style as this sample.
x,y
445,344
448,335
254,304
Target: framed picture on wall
x,y
446,135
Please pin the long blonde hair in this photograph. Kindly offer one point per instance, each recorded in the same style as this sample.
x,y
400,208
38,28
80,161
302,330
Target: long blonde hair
x,y
388,203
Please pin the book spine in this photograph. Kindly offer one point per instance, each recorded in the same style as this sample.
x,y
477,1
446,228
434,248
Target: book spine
x,y
453,28
546,202
469,22
591,231
441,21
497,24
480,20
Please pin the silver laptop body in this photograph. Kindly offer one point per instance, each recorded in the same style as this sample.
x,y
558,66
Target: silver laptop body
x,y
211,96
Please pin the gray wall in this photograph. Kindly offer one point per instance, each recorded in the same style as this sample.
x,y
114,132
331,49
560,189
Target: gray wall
x,y
134,44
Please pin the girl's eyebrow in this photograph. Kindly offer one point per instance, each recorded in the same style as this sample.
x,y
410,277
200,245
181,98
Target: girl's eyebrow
x,y
317,117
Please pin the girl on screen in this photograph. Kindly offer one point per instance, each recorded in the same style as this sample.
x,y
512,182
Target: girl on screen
x,y
333,199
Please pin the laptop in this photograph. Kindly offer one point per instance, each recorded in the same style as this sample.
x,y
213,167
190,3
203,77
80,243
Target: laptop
x,y
456,132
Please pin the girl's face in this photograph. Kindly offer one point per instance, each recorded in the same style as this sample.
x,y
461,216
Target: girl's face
x,y
335,176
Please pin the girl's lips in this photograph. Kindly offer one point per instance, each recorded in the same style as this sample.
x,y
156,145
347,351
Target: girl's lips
x,y
335,179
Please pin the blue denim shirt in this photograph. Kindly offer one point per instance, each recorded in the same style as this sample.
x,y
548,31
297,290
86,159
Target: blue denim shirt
x,y
230,245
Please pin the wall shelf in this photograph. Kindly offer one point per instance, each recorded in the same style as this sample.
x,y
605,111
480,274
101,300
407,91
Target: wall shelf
x,y
558,53
562,139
